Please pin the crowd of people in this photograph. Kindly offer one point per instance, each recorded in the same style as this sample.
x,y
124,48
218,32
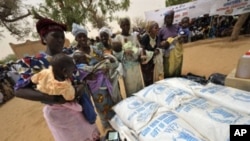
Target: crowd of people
x,y
71,81
8,77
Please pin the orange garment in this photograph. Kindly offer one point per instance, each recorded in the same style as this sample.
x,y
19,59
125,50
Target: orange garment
x,y
46,83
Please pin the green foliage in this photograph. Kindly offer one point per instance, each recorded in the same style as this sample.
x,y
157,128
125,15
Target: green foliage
x,y
175,2
97,12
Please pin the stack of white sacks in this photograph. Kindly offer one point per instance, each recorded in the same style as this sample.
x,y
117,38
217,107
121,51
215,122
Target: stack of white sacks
x,y
178,109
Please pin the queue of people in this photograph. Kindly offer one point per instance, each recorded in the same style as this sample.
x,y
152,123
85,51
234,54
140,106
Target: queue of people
x,y
79,82
8,77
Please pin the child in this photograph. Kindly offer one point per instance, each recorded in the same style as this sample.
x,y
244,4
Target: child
x,y
184,31
117,51
56,79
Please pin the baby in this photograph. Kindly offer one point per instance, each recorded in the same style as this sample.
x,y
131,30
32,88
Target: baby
x,y
56,79
117,51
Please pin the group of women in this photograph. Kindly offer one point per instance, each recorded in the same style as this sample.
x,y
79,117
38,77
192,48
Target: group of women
x,y
112,70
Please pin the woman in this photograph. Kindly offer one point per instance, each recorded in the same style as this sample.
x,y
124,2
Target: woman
x,y
152,70
132,53
81,37
99,83
66,123
105,40
168,40
114,67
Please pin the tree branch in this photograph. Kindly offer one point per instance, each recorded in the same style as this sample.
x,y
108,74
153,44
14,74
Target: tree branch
x,y
18,18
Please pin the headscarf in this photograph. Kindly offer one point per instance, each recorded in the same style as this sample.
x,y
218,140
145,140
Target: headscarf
x,y
77,29
169,13
44,26
106,30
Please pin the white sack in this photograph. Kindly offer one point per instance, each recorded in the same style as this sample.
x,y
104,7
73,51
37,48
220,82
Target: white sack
x,y
232,98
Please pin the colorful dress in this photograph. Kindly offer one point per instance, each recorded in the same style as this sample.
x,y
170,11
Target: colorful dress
x,y
114,73
65,121
100,88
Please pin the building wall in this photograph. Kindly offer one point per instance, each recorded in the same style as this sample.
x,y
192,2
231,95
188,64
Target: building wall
x,y
30,48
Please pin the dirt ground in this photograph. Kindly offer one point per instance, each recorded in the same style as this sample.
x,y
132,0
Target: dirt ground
x,y
22,120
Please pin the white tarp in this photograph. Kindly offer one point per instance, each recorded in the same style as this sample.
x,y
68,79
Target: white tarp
x,y
191,9
197,8
230,7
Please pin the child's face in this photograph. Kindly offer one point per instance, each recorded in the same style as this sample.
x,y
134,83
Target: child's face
x,y
117,46
185,23
80,58
69,71
64,73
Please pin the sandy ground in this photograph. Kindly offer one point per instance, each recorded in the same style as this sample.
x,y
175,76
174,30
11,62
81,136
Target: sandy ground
x,y
22,120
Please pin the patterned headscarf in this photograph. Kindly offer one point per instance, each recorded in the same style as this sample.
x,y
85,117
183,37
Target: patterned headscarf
x,y
76,29
44,26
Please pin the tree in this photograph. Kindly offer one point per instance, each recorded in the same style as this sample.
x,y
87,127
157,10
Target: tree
x,y
175,2
97,12
236,30
13,18
139,22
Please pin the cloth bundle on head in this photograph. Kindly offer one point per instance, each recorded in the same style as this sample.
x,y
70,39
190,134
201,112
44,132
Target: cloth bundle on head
x,y
169,13
44,26
76,29
106,30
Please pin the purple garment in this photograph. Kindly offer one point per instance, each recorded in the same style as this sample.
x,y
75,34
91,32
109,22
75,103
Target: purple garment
x,y
99,81
166,32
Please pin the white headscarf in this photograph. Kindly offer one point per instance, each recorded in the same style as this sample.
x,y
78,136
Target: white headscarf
x,y
106,30
76,29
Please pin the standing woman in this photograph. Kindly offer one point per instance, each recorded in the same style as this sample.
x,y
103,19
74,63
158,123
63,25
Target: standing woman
x,y
98,82
66,123
168,40
81,37
114,66
105,40
152,70
133,78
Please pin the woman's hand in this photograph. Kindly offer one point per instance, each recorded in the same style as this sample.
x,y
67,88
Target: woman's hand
x,y
156,52
164,44
128,52
79,90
